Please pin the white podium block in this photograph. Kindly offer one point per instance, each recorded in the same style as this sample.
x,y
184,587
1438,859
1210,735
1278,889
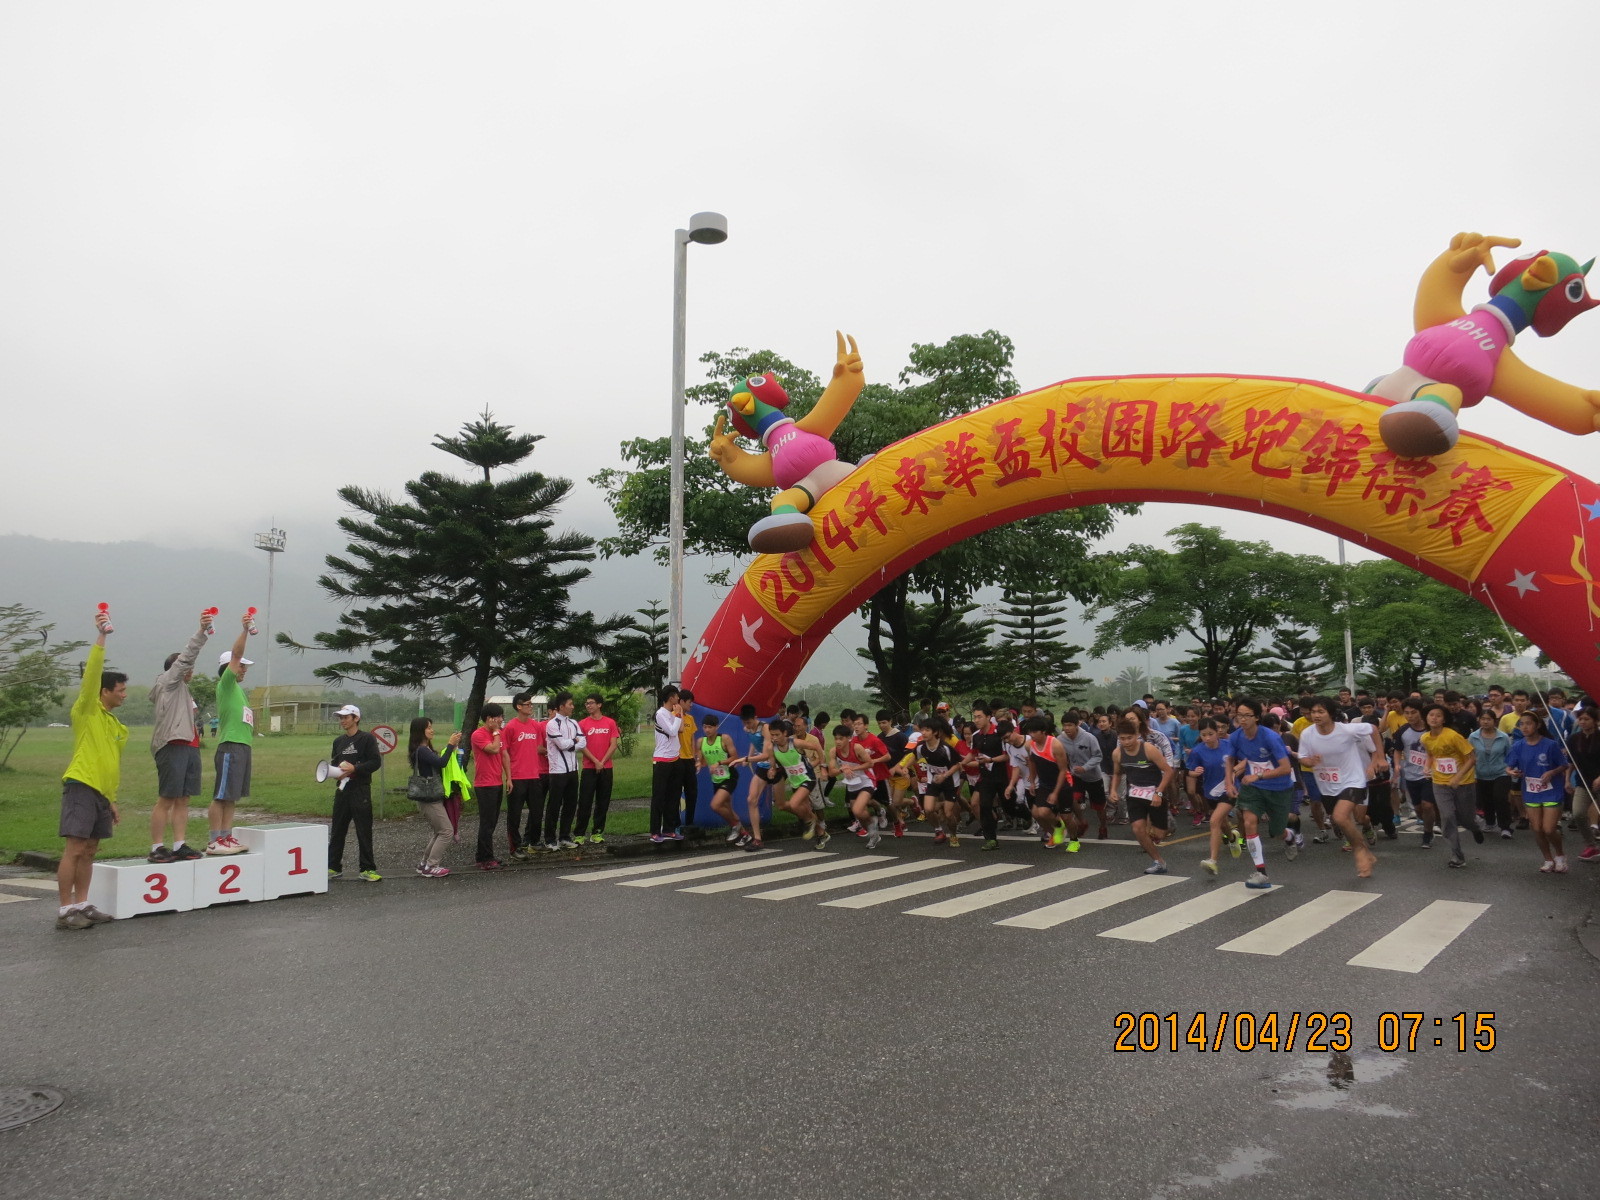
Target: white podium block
x,y
131,887
226,880
295,856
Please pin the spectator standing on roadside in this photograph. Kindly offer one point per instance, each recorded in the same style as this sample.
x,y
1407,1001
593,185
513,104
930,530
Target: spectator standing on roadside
x,y
491,766
524,739
1583,748
89,786
235,745
175,743
688,785
356,754
563,741
669,722
600,735
425,760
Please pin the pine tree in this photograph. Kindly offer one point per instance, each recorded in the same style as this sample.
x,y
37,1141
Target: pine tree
x,y
464,577
1034,659
637,656
1292,665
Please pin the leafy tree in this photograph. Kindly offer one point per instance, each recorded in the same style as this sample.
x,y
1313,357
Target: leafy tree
x,y
1407,628
1033,658
1222,593
636,655
940,382
34,675
203,687
464,577
621,704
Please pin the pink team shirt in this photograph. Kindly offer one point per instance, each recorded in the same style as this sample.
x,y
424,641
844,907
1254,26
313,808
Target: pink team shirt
x,y
601,734
525,740
486,765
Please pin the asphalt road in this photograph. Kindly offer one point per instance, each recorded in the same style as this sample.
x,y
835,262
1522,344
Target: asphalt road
x,y
528,1034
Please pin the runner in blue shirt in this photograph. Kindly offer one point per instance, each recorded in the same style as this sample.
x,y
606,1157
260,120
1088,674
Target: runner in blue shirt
x,y
1540,763
1260,777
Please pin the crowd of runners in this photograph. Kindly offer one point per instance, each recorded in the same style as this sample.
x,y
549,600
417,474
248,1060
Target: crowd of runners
x,y
1347,770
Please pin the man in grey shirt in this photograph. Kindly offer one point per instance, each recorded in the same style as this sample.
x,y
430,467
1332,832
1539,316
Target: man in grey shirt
x,y
1084,759
175,742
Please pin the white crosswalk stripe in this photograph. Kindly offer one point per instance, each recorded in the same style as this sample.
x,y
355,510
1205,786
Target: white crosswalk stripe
x,y
43,885
989,897
1417,942
5,899
816,868
1063,911
1409,947
1288,931
1186,915
842,881
917,887
746,863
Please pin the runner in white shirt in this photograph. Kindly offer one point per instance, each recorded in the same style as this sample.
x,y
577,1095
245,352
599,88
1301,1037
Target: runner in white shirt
x,y
1342,758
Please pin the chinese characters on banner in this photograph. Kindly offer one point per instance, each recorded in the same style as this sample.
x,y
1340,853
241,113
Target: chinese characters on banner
x,y
1288,443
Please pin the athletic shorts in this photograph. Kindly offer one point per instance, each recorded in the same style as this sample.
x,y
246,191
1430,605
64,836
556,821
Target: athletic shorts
x,y
232,765
1094,791
178,771
730,784
1419,790
1271,806
1140,809
948,791
1548,799
85,813
1353,795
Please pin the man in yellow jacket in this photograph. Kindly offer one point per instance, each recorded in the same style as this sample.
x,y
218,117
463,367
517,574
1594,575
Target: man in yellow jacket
x,y
89,787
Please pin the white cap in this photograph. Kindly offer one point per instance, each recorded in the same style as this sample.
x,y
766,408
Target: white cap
x,y
227,657
349,710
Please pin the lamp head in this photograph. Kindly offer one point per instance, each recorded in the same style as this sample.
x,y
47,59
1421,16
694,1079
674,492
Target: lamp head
x,y
708,228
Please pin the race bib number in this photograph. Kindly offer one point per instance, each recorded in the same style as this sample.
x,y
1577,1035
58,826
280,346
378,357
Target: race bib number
x,y
1329,776
720,775
1445,766
1260,768
1142,793
1219,790
248,716
797,775
1416,758
1532,785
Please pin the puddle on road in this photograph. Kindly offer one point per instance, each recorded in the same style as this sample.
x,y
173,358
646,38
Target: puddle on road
x,y
1243,1163
1323,1083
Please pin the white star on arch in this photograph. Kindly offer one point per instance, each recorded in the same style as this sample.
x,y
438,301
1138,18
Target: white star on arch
x,y
1523,582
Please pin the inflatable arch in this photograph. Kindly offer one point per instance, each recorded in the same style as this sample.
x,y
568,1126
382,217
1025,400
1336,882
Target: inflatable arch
x,y
1511,530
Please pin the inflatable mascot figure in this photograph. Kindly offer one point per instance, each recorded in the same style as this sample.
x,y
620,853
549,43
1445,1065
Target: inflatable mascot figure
x,y
798,457
1457,358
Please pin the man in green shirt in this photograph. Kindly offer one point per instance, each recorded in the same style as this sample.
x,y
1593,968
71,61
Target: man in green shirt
x,y
237,739
89,787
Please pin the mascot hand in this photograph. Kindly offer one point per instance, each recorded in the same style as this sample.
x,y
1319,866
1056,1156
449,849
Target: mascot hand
x,y
1473,250
722,447
1594,402
847,360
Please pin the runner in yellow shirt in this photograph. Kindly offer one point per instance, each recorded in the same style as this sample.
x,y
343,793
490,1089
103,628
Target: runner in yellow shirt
x,y
1451,762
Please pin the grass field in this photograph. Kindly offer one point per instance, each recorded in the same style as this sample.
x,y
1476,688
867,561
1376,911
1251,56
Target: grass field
x,y
282,784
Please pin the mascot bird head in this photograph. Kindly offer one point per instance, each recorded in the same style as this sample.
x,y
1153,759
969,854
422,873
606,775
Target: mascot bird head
x,y
1546,290
765,388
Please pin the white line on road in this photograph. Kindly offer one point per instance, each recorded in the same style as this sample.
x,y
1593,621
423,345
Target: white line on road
x,y
918,886
989,897
841,881
1303,923
44,885
750,863
4,899
731,885
677,864
1418,941
1062,911
1186,915
1025,838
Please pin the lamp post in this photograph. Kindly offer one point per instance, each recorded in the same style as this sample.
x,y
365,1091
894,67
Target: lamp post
x,y
707,228
272,542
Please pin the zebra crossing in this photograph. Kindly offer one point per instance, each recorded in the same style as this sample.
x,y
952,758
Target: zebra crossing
x,y
33,889
1409,947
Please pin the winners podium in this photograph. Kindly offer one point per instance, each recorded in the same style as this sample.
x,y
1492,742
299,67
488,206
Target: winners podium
x,y
285,858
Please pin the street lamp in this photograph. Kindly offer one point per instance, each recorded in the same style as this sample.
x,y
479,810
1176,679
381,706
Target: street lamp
x,y
707,228
272,542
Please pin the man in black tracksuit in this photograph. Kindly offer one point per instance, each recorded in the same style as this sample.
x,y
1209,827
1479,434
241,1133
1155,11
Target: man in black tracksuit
x,y
358,751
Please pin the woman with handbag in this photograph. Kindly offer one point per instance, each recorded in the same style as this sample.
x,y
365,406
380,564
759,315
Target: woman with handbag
x,y
426,787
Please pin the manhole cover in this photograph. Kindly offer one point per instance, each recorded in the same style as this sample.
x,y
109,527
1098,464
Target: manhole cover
x,y
18,1106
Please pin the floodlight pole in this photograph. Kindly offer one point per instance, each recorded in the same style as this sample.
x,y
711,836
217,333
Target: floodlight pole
x,y
272,542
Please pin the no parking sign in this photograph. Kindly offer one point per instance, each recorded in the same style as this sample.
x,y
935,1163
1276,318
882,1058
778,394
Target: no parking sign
x,y
388,739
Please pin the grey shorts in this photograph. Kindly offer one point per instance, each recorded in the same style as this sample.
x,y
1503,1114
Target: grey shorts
x,y
178,771
233,772
85,813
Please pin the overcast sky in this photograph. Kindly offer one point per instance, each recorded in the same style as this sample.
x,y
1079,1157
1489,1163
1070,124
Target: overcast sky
x,y
253,252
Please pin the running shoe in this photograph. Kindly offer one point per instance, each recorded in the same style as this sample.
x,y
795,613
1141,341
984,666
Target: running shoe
x,y
1156,868
186,853
1427,840
1235,845
1073,846
823,839
736,833
809,832
73,920
1590,854
883,822
861,833
1547,866
521,854
374,877
676,835
568,844
939,835
1197,822
990,844
433,872
160,855
489,865
752,845
744,840
555,847
1505,835
1561,866
1260,882
1459,860
222,847
899,829
1210,865
855,826
1035,830
95,916
1371,835
1058,835
1291,850
954,841
872,842
656,839
1319,838
597,839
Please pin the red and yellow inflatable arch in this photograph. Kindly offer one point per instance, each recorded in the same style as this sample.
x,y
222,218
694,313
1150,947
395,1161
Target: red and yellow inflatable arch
x,y
1511,530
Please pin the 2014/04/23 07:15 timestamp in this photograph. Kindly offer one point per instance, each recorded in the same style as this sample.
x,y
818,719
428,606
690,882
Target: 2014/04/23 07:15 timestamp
x,y
1311,1031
